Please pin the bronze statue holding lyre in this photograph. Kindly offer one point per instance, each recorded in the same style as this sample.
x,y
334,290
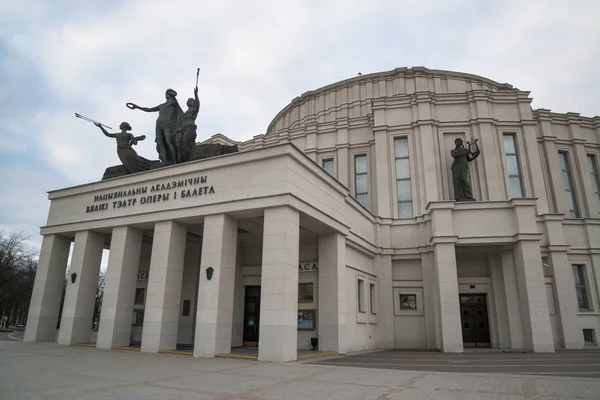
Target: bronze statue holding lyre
x,y
460,171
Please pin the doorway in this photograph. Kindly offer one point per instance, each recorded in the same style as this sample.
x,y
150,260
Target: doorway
x,y
251,316
474,320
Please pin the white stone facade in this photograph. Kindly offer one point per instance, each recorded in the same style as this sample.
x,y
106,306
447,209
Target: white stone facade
x,y
396,269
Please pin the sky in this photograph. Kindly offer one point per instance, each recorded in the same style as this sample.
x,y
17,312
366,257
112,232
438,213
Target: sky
x,y
62,57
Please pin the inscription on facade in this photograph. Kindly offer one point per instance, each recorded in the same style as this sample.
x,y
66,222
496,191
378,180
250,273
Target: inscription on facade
x,y
308,267
153,193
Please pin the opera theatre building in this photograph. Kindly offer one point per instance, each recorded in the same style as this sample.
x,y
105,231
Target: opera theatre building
x,y
340,224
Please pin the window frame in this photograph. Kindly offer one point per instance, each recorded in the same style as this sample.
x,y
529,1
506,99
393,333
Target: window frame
x,y
592,160
412,291
572,191
583,276
361,306
515,142
328,159
550,298
186,308
355,181
312,300
139,313
137,290
594,341
409,179
372,297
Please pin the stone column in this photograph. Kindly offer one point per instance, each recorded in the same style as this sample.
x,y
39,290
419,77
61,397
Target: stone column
x,y
385,311
278,335
427,165
533,159
557,202
119,291
333,329
47,289
566,300
186,332
161,317
382,172
343,173
215,296
491,177
499,294
581,171
448,325
78,310
430,301
513,311
311,142
447,279
532,296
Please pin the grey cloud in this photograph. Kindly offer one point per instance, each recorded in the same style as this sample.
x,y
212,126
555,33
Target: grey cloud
x,y
255,57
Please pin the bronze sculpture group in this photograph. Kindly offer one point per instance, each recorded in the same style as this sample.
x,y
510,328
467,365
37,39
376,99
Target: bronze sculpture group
x,y
175,137
175,129
176,143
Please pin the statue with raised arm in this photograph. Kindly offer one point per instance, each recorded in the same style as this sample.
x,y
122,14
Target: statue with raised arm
x,y
460,174
185,138
169,115
132,163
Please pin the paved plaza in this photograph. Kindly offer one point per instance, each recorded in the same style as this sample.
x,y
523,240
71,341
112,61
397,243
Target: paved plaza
x,y
574,363
51,371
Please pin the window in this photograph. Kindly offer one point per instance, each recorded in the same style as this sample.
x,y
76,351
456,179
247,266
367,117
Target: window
x,y
589,336
373,298
403,185
550,299
305,293
408,301
138,317
139,295
514,170
595,178
361,295
580,287
567,179
328,166
186,308
361,180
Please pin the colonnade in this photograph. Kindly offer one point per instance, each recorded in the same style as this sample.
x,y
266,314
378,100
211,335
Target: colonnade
x,y
214,314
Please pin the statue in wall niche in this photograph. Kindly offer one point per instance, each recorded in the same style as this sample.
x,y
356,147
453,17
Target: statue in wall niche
x,y
460,171
167,124
132,162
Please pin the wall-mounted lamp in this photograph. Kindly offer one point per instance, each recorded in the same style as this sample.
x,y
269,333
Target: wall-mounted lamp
x,y
209,273
73,277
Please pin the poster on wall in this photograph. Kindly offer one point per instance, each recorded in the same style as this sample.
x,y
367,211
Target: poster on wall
x,y
306,320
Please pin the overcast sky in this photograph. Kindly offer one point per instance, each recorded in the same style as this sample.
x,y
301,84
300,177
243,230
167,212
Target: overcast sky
x,y
61,57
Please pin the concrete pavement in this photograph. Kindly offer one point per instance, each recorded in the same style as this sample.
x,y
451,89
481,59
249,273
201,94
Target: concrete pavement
x,y
582,363
51,371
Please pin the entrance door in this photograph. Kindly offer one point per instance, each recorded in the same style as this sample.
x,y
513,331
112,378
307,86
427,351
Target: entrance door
x,y
474,320
251,315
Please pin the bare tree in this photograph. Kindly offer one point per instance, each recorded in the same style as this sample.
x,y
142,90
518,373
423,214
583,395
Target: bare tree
x,y
99,298
18,265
